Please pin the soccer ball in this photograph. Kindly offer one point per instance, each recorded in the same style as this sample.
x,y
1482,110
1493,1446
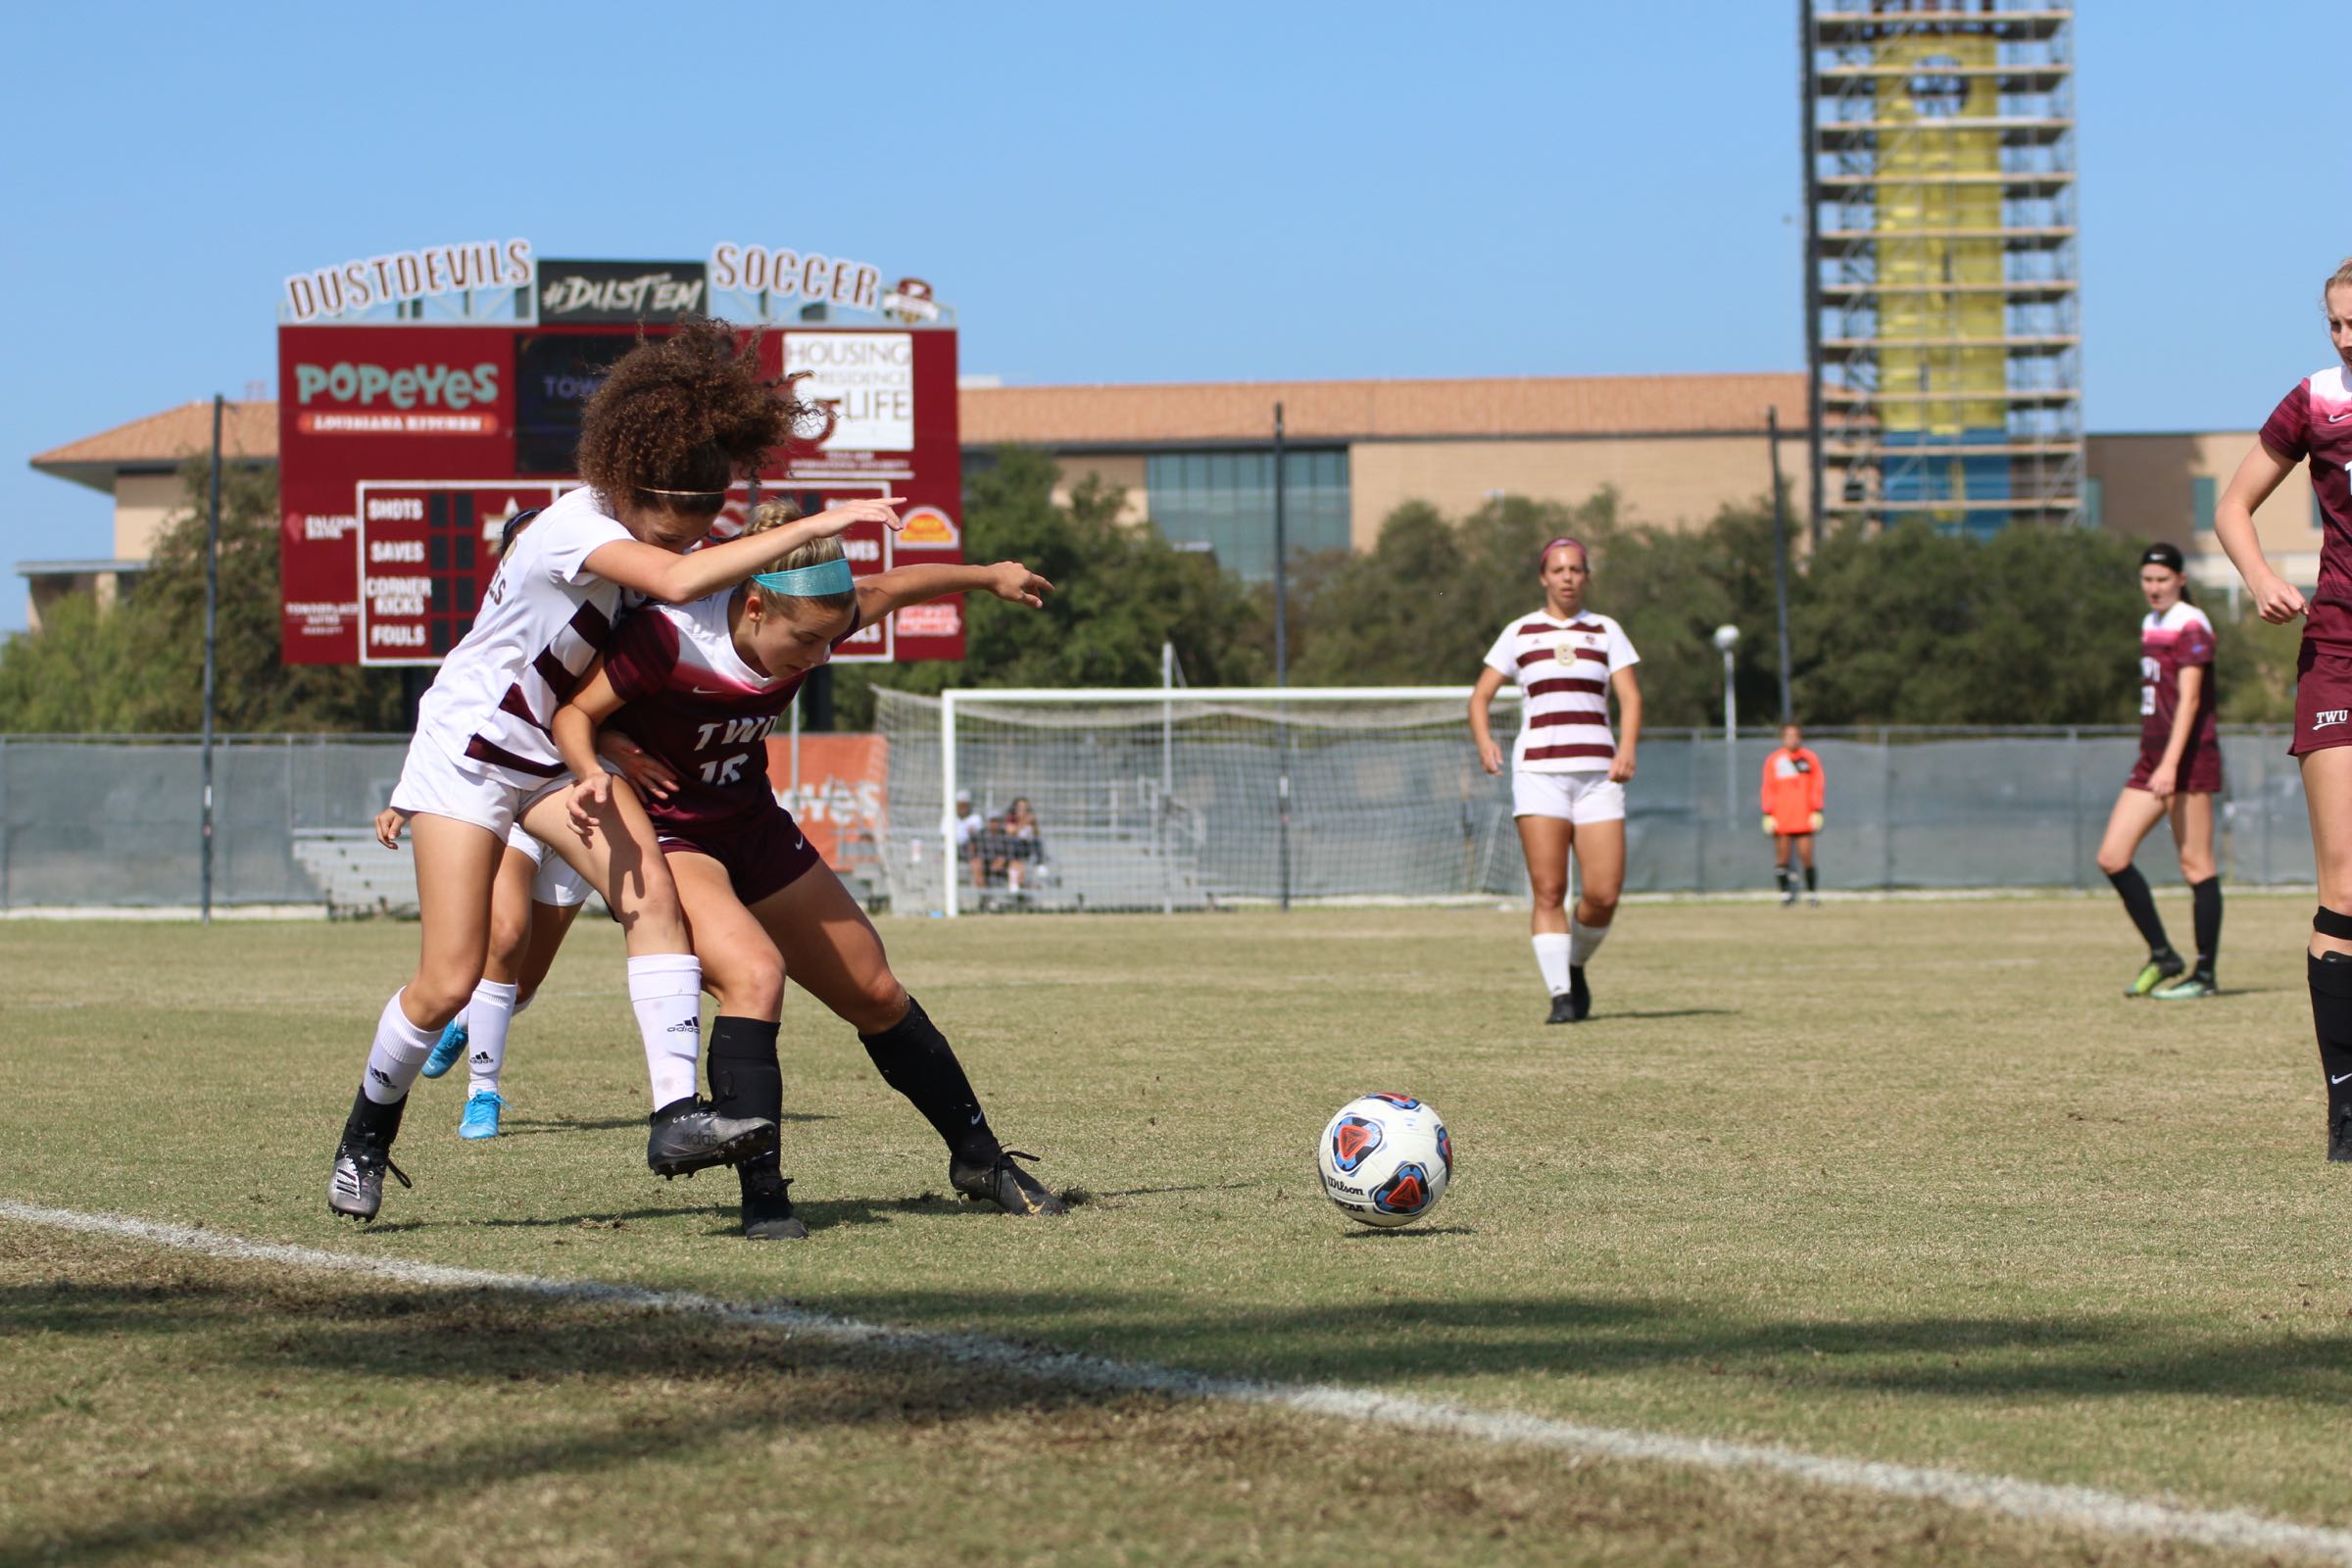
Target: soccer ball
x,y
1385,1160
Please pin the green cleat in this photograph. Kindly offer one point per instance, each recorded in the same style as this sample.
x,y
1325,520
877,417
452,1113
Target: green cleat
x,y
2160,968
2199,984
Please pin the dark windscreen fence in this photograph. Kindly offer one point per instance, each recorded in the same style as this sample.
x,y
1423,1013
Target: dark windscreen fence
x,y
116,823
1174,802
1169,805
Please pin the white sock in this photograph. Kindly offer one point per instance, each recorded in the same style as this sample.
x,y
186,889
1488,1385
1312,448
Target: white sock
x,y
397,1055
486,1018
1551,956
1584,941
666,991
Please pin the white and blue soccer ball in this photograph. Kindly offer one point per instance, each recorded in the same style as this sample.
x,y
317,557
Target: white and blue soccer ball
x,y
1385,1160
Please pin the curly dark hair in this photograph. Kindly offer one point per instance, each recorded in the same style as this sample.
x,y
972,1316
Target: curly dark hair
x,y
689,412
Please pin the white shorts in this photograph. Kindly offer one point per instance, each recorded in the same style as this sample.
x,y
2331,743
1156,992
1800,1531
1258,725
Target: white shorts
x,y
1570,797
434,783
555,882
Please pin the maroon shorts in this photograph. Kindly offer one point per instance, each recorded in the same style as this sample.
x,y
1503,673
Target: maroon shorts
x,y
2323,699
2199,772
765,852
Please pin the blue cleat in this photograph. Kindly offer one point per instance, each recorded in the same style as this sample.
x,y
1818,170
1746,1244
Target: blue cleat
x,y
481,1114
447,1048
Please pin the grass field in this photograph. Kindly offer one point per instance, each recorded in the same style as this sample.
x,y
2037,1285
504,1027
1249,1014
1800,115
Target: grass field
x,y
1899,1181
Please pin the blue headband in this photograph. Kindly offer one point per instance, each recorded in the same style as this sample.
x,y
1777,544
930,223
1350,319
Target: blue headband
x,y
825,578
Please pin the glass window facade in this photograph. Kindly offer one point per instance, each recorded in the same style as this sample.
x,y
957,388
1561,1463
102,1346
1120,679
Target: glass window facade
x,y
1224,502
2204,494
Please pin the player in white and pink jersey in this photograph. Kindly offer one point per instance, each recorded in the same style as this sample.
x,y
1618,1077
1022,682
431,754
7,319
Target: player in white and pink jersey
x,y
673,423
2178,776
2314,423
699,687
1568,771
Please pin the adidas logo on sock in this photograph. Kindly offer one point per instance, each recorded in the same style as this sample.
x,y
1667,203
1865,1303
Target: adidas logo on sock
x,y
687,1026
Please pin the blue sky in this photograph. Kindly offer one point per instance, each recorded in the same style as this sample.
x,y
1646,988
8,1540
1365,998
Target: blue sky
x,y
1106,192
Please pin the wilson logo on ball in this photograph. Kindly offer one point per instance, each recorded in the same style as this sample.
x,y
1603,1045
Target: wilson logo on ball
x,y
1351,1140
1404,1193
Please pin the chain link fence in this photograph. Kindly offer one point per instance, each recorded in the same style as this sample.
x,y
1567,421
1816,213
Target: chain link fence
x,y
116,822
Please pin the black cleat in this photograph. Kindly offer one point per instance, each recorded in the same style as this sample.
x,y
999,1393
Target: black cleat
x,y
1563,1009
1004,1184
767,1215
2339,1132
689,1136
1580,996
356,1190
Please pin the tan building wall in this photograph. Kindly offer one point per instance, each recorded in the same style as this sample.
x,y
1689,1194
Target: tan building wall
x,y
44,592
1122,470
142,503
1678,482
2148,489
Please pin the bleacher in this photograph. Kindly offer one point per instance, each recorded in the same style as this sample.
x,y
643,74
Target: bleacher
x,y
1098,870
355,874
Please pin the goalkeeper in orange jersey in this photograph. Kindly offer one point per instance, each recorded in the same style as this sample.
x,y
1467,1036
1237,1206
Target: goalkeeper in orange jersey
x,y
1793,784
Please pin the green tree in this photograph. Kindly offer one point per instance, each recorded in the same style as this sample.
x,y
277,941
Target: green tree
x,y
2257,664
82,672
1425,603
1120,592
140,668
1916,627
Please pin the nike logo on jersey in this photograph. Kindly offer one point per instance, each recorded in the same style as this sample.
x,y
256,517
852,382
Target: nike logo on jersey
x,y
710,691
2336,1078
2347,415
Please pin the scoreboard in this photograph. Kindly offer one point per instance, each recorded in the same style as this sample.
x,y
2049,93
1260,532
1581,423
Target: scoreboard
x,y
404,446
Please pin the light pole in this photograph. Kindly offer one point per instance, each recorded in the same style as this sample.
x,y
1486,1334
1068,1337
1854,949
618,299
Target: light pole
x,y
1727,638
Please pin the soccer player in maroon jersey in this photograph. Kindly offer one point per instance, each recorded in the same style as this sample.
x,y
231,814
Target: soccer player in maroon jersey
x,y
2313,422
671,427
699,687
2177,777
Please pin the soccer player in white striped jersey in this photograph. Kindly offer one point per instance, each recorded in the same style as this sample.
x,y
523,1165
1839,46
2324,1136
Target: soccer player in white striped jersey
x,y
1568,771
673,425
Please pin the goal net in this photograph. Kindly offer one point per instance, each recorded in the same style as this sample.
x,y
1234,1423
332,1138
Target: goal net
x,y
1192,799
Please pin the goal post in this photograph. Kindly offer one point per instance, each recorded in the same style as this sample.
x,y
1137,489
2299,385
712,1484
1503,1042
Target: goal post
x,y
1168,798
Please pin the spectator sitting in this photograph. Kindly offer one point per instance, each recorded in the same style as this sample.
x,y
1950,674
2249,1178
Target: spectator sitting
x,y
993,853
969,825
1024,850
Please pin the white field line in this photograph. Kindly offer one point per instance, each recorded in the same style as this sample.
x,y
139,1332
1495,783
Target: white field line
x,y
2082,1509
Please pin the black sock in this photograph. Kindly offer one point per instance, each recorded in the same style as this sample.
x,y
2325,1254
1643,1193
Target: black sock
x,y
2332,1016
1780,877
369,1123
2140,905
1812,882
746,1080
915,1058
2205,900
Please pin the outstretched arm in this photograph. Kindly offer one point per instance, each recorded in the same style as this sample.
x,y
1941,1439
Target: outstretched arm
x,y
677,579
901,586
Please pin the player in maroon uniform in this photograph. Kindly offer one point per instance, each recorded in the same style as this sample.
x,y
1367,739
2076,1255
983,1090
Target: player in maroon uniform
x,y
2314,422
2178,776
699,687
